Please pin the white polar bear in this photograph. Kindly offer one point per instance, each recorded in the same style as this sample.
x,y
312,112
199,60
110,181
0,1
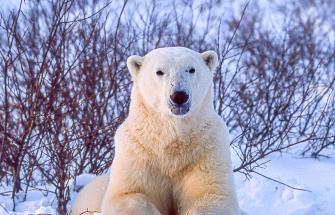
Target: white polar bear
x,y
172,152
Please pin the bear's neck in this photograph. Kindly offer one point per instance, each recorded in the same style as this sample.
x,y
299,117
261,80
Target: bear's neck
x,y
169,138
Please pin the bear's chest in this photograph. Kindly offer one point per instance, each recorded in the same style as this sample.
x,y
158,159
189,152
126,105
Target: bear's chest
x,y
170,149
173,158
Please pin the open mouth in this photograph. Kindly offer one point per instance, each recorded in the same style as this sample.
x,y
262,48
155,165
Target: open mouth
x,y
180,109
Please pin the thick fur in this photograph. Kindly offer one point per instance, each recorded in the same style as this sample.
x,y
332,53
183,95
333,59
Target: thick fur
x,y
166,164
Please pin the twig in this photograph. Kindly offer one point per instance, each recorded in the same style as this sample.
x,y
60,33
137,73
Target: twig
x,y
282,183
88,17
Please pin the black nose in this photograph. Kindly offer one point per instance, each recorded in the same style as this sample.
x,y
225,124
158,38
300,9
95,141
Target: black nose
x,y
179,97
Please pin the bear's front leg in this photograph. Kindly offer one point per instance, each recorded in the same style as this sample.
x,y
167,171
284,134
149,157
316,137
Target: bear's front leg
x,y
207,189
216,207
129,204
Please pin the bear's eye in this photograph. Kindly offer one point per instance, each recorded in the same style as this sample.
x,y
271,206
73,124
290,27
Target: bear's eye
x,y
192,70
160,73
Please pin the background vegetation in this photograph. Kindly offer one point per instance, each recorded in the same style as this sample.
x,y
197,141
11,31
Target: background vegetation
x,y
64,85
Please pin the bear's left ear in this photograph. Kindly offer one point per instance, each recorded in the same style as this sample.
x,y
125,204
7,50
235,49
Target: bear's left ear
x,y
134,64
211,59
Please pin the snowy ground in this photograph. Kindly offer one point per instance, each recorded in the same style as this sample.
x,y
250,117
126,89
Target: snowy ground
x,y
261,196
257,196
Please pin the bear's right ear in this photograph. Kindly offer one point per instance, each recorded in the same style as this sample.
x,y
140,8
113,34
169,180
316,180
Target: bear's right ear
x,y
134,64
211,59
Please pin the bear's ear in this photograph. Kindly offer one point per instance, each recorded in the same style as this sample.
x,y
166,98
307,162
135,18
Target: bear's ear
x,y
211,59
134,64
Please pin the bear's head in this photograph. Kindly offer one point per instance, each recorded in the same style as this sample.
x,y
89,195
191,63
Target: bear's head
x,y
174,80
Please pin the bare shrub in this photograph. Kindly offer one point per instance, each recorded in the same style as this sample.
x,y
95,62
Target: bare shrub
x,y
64,86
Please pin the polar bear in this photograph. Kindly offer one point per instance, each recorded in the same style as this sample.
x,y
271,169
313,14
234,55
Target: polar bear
x,y
172,152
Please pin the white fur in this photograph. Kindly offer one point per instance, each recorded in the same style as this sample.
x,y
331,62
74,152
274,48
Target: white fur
x,y
168,164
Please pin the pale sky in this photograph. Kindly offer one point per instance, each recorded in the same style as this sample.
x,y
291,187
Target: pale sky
x,y
9,4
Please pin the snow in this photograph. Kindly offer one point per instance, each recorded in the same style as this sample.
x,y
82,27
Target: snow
x,y
37,202
256,196
262,196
